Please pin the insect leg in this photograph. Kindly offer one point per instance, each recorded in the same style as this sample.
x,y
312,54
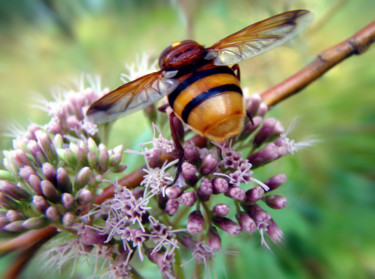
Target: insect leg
x,y
250,117
163,108
180,149
236,70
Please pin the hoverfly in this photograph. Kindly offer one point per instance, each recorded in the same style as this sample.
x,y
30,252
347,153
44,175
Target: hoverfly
x,y
201,85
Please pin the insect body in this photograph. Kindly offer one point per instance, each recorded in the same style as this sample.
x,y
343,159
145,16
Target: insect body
x,y
209,99
202,89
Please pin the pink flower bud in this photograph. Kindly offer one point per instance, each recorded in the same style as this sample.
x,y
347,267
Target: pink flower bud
x,y
82,178
13,215
34,182
262,110
188,198
92,159
276,201
253,104
36,152
93,148
254,194
275,181
26,171
119,168
252,126
173,192
257,213
213,239
221,209
52,213
195,222
14,226
34,223
220,185
205,189
191,153
46,145
49,191
40,203
68,219
90,236
153,157
13,190
265,132
274,232
84,196
63,180
236,193
189,173
103,160
115,159
209,164
246,222
49,172
81,156
21,158
265,155
31,130
227,225
171,207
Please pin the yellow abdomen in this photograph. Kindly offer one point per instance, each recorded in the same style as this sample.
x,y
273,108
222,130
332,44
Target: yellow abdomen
x,y
209,100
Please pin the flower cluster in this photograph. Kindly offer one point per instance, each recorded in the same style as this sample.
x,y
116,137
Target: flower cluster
x,y
55,174
50,175
211,171
68,109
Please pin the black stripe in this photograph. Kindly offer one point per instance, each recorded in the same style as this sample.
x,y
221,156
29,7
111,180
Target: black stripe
x,y
196,76
205,95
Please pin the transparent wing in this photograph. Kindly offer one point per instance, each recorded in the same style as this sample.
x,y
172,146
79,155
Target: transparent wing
x,y
259,37
131,97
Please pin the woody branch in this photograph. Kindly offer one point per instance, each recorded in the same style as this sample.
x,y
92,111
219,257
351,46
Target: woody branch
x,y
356,44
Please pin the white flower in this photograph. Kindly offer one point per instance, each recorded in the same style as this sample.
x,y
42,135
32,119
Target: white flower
x,y
141,67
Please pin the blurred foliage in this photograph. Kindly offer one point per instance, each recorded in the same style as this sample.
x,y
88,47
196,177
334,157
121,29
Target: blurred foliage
x,y
327,225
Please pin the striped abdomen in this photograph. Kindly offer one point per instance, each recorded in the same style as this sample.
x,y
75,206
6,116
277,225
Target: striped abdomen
x,y
209,100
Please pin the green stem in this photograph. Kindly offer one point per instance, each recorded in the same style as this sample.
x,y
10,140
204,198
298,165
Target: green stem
x,y
135,274
207,213
177,265
181,214
197,269
62,228
105,131
237,205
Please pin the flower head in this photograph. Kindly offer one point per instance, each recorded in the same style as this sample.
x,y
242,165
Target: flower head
x,y
69,106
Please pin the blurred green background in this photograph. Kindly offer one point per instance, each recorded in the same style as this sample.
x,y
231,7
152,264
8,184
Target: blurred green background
x,y
329,222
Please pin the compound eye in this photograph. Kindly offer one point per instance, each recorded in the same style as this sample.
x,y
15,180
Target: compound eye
x,y
163,54
180,54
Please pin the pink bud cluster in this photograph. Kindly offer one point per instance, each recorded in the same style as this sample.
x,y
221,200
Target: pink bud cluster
x,y
68,109
51,178
217,183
